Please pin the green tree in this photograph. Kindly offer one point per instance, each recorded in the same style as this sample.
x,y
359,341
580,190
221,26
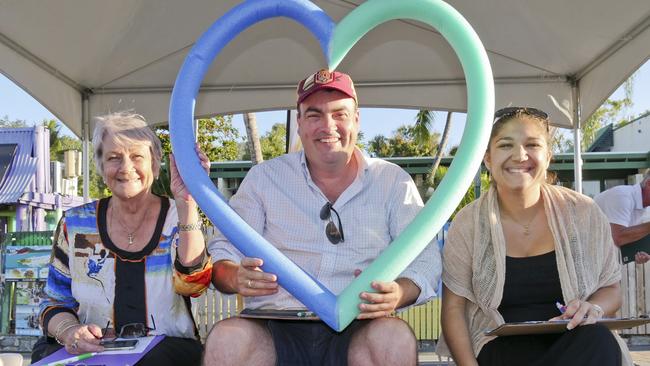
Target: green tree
x,y
441,145
55,139
5,122
274,142
469,196
403,143
361,143
217,137
378,146
422,128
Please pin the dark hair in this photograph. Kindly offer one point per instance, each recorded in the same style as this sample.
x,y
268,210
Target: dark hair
x,y
505,115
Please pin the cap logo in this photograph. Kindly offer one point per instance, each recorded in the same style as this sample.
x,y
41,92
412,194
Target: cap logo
x,y
323,77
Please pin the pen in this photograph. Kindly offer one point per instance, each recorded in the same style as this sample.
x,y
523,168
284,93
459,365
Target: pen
x,y
72,359
560,307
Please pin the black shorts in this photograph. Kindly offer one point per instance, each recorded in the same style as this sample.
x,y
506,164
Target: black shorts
x,y
307,343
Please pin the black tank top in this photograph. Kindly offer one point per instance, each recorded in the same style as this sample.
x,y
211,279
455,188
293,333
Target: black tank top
x,y
532,287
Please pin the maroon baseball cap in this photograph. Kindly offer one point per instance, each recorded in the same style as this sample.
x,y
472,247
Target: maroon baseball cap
x,y
325,79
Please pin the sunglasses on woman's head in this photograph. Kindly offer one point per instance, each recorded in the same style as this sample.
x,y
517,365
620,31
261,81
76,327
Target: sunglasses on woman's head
x,y
334,234
508,112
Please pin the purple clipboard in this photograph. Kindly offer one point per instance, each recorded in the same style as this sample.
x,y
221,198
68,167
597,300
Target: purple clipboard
x,y
104,360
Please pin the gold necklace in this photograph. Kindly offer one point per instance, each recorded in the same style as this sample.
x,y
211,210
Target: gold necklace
x,y
129,234
525,226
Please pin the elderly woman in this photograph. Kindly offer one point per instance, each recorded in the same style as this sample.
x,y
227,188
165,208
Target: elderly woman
x,y
521,248
129,261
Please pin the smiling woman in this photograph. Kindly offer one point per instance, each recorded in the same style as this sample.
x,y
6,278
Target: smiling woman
x,y
519,153
129,258
538,244
128,158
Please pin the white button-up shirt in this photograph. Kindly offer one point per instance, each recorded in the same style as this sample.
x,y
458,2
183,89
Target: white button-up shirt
x,y
280,201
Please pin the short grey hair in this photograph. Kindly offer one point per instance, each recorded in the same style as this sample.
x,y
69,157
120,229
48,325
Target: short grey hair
x,y
126,128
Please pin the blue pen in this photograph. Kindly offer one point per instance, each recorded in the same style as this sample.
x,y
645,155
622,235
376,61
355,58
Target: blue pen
x,y
560,307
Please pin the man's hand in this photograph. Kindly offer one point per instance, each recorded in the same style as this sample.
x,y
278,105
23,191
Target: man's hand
x,y
252,281
641,257
383,302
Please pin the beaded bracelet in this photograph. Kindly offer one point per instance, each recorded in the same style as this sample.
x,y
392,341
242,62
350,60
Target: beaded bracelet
x,y
190,227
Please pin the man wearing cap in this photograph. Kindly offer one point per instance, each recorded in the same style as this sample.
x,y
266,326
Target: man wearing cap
x,y
331,210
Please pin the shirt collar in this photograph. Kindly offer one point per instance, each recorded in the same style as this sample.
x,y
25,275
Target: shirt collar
x,y
362,163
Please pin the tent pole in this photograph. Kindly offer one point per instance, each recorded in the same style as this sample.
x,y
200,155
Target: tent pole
x,y
577,137
85,147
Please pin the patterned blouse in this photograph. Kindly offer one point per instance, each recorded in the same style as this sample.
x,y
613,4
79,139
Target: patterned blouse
x,y
100,283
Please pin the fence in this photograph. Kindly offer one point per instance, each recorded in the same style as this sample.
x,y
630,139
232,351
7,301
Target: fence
x,y
635,285
425,319
214,306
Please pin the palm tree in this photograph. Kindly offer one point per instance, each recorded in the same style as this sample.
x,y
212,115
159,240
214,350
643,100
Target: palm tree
x,y
441,146
254,146
422,133
55,137
422,128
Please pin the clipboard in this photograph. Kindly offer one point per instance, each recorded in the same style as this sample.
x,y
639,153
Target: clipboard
x,y
279,314
630,249
108,358
559,326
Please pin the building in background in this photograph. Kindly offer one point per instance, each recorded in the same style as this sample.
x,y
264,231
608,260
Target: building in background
x,y
33,191
634,136
33,194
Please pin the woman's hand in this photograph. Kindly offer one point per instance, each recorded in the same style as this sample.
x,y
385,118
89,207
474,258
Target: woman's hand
x,y
179,190
581,313
252,281
82,338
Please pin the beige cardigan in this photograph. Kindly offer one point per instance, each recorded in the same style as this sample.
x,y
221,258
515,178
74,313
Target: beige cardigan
x,y
474,256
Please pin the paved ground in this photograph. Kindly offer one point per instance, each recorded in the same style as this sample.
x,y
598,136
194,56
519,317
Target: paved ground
x,y
641,358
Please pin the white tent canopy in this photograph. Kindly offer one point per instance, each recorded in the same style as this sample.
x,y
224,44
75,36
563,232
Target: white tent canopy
x,y
555,55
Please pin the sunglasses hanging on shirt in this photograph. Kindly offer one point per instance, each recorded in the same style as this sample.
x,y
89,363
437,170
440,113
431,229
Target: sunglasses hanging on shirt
x,y
334,234
131,330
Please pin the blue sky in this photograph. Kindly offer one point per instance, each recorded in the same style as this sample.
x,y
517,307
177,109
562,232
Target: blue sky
x,y
17,104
